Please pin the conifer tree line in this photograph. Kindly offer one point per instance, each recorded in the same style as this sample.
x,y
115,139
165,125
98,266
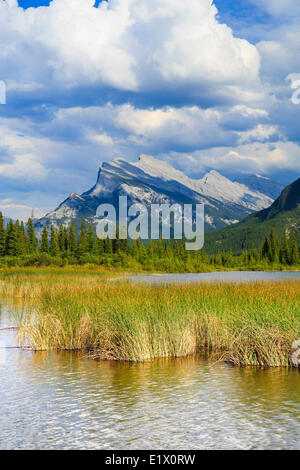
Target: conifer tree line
x,y
18,242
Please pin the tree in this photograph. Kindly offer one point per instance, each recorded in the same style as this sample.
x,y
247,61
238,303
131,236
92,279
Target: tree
x,y
108,246
66,239
125,246
44,248
117,243
11,245
2,235
90,239
82,241
284,250
31,236
61,238
294,251
54,243
99,246
273,247
72,239
266,249
22,239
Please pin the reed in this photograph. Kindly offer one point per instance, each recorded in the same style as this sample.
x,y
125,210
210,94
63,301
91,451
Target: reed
x,y
245,324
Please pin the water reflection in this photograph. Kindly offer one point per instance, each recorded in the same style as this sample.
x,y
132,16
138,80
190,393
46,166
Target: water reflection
x,y
66,401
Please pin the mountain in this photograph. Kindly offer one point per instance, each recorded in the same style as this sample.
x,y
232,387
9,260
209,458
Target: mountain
x,y
153,181
261,184
283,214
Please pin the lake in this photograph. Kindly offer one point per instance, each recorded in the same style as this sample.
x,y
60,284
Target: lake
x,y
229,276
67,401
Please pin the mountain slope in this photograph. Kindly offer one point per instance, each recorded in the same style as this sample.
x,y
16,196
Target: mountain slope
x,y
262,184
283,214
153,181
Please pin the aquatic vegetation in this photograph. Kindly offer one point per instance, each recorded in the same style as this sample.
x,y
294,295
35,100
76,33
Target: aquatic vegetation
x,y
245,324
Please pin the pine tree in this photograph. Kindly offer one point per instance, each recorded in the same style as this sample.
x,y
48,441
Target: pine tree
x,y
273,247
82,241
159,247
22,239
99,246
31,236
284,250
44,248
254,254
66,239
61,238
125,246
116,243
72,239
294,251
266,249
108,246
175,249
54,243
90,239
11,248
2,235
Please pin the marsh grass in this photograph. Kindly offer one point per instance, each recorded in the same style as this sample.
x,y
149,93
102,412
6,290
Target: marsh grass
x,y
245,324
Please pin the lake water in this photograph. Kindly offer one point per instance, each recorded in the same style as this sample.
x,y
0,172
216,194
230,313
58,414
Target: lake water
x,y
66,401
230,276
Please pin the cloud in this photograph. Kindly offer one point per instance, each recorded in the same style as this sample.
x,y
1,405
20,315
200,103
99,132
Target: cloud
x,y
133,45
19,211
265,158
85,85
125,128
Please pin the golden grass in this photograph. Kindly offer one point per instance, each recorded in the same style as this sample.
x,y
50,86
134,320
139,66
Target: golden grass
x,y
246,324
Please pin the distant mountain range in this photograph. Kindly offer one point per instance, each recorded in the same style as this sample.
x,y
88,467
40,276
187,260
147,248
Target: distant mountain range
x,y
261,184
153,181
283,214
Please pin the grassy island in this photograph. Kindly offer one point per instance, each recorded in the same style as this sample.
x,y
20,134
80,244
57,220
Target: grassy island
x,y
107,317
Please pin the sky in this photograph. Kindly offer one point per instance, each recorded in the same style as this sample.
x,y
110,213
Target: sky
x,y
200,84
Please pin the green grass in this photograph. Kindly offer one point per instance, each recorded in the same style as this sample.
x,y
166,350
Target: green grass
x,y
245,324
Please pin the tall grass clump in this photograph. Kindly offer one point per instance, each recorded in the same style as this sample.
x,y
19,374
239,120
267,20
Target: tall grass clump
x,y
245,324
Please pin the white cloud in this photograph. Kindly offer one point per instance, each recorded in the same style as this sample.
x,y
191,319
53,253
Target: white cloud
x,y
19,211
112,126
164,51
36,151
127,44
252,158
260,133
191,125
23,167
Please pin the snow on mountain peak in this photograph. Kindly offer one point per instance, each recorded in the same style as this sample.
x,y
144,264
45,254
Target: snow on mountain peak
x,y
160,169
213,184
213,176
150,180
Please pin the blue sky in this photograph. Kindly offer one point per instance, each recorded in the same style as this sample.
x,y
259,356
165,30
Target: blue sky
x,y
199,84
